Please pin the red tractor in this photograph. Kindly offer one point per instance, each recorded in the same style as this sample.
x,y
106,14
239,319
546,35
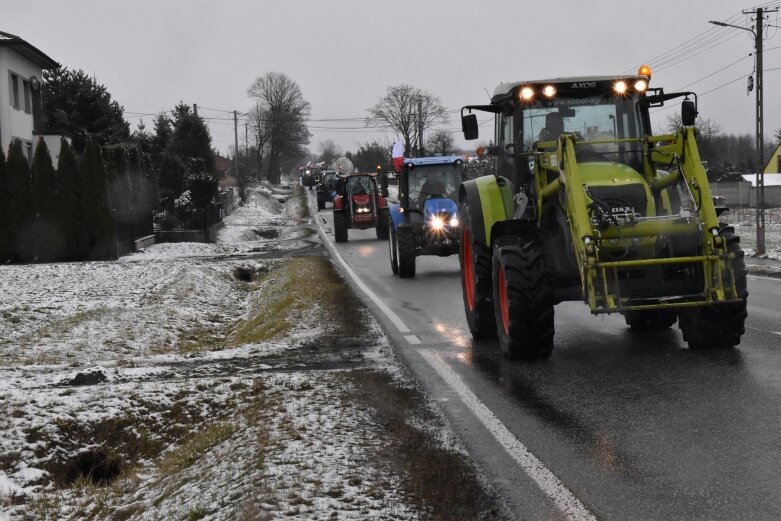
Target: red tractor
x,y
359,204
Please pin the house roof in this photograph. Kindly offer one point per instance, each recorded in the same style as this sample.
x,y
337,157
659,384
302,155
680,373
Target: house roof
x,y
27,50
772,161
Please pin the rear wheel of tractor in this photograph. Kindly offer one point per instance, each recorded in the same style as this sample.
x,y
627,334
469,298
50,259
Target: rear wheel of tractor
x,y
382,224
650,319
405,249
320,202
475,261
523,300
719,326
340,227
393,249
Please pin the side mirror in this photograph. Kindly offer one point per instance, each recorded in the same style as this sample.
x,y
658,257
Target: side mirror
x,y
688,112
469,126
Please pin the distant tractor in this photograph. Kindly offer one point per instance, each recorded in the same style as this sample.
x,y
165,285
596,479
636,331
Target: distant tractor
x,y
587,205
325,188
425,222
359,204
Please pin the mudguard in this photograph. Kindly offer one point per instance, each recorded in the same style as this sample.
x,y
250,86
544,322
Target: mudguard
x,y
396,216
490,201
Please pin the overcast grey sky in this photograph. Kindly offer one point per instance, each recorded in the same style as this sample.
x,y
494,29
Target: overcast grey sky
x,y
344,53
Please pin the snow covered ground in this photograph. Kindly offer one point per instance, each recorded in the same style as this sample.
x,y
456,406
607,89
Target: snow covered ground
x,y
234,380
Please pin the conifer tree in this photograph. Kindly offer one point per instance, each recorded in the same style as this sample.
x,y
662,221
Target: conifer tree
x,y
69,208
20,205
99,221
46,233
5,213
116,170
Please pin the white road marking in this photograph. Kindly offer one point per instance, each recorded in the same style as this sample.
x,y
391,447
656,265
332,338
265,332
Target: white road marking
x,y
564,500
776,332
400,325
534,468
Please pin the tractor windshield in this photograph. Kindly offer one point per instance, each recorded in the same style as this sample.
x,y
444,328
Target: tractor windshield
x,y
599,120
427,182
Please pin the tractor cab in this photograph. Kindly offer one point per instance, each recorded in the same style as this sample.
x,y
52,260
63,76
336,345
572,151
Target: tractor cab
x,y
326,187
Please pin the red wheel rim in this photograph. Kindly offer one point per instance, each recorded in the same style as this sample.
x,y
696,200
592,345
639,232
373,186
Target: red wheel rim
x,y
468,270
504,307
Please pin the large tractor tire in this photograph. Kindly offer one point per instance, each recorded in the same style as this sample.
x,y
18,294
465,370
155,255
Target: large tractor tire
x,y
650,319
475,261
393,249
383,216
719,326
405,249
523,300
340,227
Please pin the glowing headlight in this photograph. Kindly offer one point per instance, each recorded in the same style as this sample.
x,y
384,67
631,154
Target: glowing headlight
x,y
454,222
641,85
437,222
527,93
549,91
619,87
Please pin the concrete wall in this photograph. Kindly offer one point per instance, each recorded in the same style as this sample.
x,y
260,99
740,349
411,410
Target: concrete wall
x,y
741,194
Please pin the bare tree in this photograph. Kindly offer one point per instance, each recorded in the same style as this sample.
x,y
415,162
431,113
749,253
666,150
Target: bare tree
x,y
260,125
288,111
329,151
398,111
441,143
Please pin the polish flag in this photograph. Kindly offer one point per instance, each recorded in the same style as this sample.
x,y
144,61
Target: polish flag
x,y
398,155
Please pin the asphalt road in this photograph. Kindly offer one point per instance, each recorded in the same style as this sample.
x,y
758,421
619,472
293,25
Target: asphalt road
x,y
615,425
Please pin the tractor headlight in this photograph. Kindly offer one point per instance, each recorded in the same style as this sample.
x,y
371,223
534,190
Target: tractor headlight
x,y
454,222
620,87
437,222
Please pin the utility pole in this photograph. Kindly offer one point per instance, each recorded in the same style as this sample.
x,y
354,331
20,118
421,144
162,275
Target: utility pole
x,y
760,123
195,109
420,126
246,140
236,143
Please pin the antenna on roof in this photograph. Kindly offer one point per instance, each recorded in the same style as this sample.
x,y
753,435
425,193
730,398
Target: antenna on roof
x,y
486,93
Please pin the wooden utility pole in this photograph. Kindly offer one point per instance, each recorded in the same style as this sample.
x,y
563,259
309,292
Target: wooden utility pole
x,y
420,126
236,143
760,123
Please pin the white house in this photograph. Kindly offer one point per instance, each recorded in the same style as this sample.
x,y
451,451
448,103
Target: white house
x,y
21,115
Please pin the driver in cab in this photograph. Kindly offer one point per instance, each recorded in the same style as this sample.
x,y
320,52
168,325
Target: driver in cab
x,y
433,187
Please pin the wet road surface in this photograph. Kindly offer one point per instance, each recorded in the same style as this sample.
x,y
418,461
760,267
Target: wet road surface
x,y
635,426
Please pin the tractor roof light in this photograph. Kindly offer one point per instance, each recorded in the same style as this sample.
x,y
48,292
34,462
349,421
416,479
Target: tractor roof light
x,y
641,85
620,87
526,93
644,70
549,91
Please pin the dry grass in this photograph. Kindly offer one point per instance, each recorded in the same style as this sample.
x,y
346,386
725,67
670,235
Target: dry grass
x,y
195,447
438,480
298,286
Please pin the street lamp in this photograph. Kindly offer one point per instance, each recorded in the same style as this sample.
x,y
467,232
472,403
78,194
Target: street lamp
x,y
760,173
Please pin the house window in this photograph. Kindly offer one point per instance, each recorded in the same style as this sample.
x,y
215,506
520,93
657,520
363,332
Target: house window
x,y
28,107
14,90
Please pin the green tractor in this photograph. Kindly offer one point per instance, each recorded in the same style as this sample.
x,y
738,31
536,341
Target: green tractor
x,y
586,204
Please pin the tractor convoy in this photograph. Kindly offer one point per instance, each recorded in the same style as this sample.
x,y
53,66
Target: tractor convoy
x,y
585,204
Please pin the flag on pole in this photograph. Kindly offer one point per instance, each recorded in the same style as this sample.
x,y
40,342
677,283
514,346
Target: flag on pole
x,y
397,153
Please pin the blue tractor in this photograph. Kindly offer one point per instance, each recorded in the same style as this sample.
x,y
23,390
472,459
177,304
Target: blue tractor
x,y
425,221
